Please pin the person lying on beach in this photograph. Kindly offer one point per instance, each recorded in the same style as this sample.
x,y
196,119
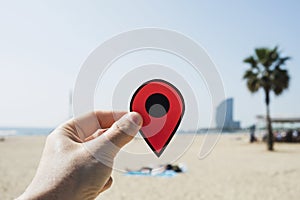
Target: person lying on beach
x,y
158,170
68,171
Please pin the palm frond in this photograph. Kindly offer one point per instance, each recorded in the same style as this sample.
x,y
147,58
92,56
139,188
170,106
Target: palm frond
x,y
253,84
250,60
249,74
280,80
273,55
262,54
281,61
265,71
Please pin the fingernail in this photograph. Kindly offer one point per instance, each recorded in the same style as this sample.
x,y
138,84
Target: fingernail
x,y
136,118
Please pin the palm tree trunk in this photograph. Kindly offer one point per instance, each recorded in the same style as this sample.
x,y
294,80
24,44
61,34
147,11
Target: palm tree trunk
x,y
270,139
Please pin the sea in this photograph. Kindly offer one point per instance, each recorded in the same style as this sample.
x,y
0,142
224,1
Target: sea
x,y
15,131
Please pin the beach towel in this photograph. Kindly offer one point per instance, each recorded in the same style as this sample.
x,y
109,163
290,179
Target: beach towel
x,y
166,173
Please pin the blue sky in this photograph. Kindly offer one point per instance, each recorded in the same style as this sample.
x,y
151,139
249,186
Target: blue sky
x,y
44,43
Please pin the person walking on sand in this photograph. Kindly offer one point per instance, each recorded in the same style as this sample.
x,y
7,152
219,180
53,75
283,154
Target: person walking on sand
x,y
252,134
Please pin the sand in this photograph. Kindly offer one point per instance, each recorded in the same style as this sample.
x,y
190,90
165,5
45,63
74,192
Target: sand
x,y
234,170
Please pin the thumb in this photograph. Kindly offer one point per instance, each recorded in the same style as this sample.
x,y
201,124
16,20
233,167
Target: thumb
x,y
107,145
123,130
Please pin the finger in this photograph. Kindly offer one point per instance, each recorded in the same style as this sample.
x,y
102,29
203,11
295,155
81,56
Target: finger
x,y
107,118
107,185
86,125
95,135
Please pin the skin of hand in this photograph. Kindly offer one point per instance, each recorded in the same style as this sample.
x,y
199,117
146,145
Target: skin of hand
x,y
69,168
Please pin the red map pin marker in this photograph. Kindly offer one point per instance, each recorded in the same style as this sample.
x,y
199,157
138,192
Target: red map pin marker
x,y
162,107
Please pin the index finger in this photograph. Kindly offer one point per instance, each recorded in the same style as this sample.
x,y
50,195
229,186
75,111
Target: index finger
x,y
86,125
107,118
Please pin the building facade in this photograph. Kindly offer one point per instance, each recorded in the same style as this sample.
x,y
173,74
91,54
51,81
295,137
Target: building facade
x,y
224,115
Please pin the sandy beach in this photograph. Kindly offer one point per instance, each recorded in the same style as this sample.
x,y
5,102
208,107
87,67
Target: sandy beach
x,y
234,170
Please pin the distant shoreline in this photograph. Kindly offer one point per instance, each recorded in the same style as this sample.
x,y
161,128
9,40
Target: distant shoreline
x,y
17,131
27,131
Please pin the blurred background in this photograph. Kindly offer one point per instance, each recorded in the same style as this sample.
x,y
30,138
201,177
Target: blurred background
x,y
44,43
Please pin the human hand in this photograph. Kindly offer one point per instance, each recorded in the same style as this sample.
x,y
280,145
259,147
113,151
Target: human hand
x,y
69,169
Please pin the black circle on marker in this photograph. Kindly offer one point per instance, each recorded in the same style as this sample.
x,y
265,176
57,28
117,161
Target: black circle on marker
x,y
157,105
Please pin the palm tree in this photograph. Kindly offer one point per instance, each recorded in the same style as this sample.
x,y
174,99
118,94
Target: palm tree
x,y
267,72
